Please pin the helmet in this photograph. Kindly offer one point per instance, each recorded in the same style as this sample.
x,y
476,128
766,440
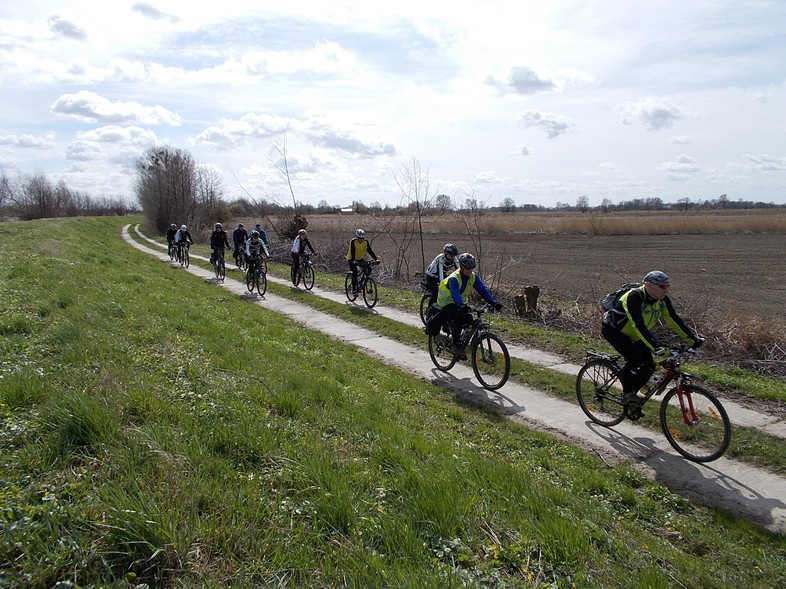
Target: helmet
x,y
657,277
218,226
360,234
183,228
301,232
450,249
258,226
173,226
241,226
254,234
466,261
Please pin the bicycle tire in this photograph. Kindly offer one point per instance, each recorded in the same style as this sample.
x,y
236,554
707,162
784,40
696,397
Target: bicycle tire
x,y
308,277
370,294
186,258
249,281
222,269
180,255
171,251
707,436
424,305
598,397
439,350
294,275
351,296
261,283
263,265
490,361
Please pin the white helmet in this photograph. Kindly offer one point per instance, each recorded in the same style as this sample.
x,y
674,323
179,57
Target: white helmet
x,y
183,228
360,233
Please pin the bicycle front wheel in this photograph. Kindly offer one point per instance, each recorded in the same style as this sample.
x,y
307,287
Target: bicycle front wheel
x,y
695,423
260,283
186,258
599,391
308,277
351,296
250,280
424,306
370,295
222,269
439,350
171,252
491,361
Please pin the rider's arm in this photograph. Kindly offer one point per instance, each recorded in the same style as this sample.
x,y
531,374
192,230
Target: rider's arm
x,y
371,252
484,292
678,325
311,247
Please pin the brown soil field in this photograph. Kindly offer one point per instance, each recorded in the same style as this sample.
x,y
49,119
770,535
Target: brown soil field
x,y
739,275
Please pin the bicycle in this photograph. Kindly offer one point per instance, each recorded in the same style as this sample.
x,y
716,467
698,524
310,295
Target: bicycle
x,y
304,272
256,278
182,255
424,301
366,284
172,250
219,264
691,417
240,258
489,354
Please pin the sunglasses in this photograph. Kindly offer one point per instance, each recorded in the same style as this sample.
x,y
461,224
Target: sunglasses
x,y
663,286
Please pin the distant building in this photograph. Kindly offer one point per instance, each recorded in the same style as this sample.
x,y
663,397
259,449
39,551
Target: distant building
x,y
347,210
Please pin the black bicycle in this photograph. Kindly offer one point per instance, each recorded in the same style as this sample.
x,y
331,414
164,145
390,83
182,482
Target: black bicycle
x,y
182,255
489,354
219,264
424,301
366,284
240,258
256,278
691,417
172,250
304,272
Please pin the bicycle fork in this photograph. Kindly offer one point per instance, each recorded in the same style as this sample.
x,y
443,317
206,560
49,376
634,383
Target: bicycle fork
x,y
689,416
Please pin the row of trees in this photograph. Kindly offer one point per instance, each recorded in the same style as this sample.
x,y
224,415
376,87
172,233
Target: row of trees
x,y
34,196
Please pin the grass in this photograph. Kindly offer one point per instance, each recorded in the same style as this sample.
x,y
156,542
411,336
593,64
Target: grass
x,y
159,432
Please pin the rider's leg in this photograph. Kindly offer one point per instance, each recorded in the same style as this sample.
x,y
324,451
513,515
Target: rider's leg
x,y
433,287
639,365
354,269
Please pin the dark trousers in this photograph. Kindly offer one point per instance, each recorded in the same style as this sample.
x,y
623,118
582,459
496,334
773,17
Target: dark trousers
x,y
452,315
433,287
639,365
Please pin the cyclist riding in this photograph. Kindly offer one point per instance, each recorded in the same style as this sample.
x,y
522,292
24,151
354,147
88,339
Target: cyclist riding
x,y
358,247
183,237
299,245
262,235
627,328
170,235
239,237
218,241
441,266
453,297
255,248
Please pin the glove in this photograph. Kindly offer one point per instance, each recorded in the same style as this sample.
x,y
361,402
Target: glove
x,y
698,342
661,351
498,306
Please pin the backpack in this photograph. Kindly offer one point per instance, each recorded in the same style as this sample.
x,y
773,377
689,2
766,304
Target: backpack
x,y
610,300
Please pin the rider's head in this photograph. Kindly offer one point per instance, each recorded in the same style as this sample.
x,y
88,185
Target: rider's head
x,y
255,235
301,232
258,227
360,234
466,261
183,228
656,283
218,226
173,226
450,250
240,226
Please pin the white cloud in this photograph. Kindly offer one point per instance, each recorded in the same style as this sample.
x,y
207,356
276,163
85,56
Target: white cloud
x,y
66,29
26,141
90,106
683,164
653,114
84,151
766,163
522,80
553,124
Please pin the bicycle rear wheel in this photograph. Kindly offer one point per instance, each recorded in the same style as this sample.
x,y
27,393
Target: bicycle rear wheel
x,y
599,392
695,423
439,349
308,277
491,361
424,306
351,296
370,295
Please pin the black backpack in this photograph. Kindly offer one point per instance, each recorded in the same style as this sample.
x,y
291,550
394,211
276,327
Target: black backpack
x,y
608,302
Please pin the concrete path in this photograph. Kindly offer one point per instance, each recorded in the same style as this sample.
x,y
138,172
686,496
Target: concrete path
x,y
752,493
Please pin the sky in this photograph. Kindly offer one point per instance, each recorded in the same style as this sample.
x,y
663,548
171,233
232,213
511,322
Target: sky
x,y
541,102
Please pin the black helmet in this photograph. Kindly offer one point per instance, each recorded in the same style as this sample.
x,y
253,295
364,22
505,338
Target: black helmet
x,y
450,249
466,261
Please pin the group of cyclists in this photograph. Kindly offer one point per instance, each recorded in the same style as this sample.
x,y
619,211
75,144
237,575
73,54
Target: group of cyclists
x,y
450,279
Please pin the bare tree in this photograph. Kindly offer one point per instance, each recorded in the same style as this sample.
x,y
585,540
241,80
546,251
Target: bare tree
x,y
582,203
414,182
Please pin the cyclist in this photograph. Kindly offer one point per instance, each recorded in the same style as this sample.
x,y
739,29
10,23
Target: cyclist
x,y
239,237
183,237
441,266
170,235
358,247
218,241
255,249
627,328
299,245
452,300
262,235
